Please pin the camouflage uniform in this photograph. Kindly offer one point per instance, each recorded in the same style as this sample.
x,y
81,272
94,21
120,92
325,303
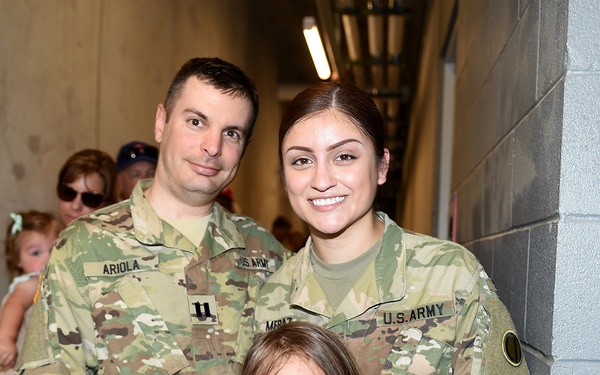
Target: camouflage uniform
x,y
125,292
424,306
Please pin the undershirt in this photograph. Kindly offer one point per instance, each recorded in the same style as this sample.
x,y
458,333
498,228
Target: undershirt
x,y
192,229
337,280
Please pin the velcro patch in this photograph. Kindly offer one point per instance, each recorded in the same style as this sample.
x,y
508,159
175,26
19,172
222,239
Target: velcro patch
x,y
255,263
429,311
270,325
118,268
203,310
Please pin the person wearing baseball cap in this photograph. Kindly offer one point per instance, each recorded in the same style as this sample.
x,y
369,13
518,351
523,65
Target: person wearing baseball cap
x,y
136,161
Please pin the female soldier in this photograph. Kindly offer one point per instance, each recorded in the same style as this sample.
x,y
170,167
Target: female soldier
x,y
402,303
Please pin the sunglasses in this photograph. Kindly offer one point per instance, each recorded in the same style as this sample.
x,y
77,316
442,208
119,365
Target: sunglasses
x,y
90,199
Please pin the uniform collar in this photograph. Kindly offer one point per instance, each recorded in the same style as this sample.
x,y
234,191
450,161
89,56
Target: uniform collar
x,y
390,264
383,281
221,232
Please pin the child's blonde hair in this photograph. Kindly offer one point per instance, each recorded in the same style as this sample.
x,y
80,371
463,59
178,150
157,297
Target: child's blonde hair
x,y
21,221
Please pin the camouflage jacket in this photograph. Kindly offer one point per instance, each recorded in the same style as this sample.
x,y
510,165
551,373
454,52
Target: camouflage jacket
x,y
424,306
125,292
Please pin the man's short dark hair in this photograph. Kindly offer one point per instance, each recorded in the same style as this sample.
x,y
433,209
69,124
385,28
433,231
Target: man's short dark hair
x,y
220,74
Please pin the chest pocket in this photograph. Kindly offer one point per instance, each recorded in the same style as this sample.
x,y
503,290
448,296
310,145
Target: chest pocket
x,y
424,342
414,352
217,294
132,334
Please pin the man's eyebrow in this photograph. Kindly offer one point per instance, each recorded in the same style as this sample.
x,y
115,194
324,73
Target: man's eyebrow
x,y
195,112
241,128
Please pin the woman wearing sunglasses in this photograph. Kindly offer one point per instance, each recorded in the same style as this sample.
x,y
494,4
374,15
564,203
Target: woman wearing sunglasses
x,y
86,182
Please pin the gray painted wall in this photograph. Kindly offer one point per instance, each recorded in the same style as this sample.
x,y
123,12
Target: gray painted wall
x,y
526,168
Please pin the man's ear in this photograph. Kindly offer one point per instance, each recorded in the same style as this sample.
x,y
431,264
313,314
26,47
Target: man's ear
x,y
160,122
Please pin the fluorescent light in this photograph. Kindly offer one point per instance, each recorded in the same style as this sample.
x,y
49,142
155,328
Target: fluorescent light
x,y
315,46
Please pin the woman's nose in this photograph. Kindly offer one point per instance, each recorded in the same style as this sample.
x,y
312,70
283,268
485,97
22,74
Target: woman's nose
x,y
323,178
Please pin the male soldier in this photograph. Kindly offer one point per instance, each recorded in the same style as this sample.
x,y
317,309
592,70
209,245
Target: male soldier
x,y
135,161
165,282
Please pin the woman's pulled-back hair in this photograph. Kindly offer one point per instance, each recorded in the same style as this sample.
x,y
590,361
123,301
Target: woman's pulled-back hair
x,y
356,105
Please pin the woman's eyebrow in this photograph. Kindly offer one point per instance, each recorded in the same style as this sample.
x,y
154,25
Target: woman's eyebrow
x,y
343,142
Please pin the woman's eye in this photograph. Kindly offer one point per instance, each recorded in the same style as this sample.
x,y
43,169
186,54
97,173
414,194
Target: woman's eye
x,y
301,161
346,157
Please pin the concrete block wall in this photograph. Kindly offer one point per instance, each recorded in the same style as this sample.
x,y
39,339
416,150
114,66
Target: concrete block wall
x,y
575,348
525,167
77,74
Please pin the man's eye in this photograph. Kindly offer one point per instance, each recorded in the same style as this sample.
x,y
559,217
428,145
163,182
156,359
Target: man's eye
x,y
195,122
232,134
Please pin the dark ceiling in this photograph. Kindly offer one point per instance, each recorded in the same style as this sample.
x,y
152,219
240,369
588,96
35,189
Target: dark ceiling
x,y
281,20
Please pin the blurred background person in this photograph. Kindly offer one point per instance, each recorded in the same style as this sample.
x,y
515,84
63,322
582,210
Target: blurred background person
x,y
136,161
281,228
29,239
296,241
227,200
87,181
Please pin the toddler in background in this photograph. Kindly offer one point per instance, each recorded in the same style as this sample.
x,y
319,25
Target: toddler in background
x,y
29,239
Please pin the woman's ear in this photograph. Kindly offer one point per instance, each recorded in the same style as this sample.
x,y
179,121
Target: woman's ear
x,y
383,167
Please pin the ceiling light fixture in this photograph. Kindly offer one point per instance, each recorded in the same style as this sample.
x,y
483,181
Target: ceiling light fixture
x,y
315,46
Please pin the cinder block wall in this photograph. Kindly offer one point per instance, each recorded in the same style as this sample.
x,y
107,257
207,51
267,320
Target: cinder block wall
x,y
78,74
526,167
578,240
506,167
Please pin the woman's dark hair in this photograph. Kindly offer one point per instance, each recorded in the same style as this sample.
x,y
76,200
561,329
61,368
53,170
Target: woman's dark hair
x,y
301,340
346,99
88,161
222,75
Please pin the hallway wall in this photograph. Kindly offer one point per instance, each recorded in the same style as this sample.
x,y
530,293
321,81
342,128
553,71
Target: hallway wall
x,y
90,74
525,163
509,109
